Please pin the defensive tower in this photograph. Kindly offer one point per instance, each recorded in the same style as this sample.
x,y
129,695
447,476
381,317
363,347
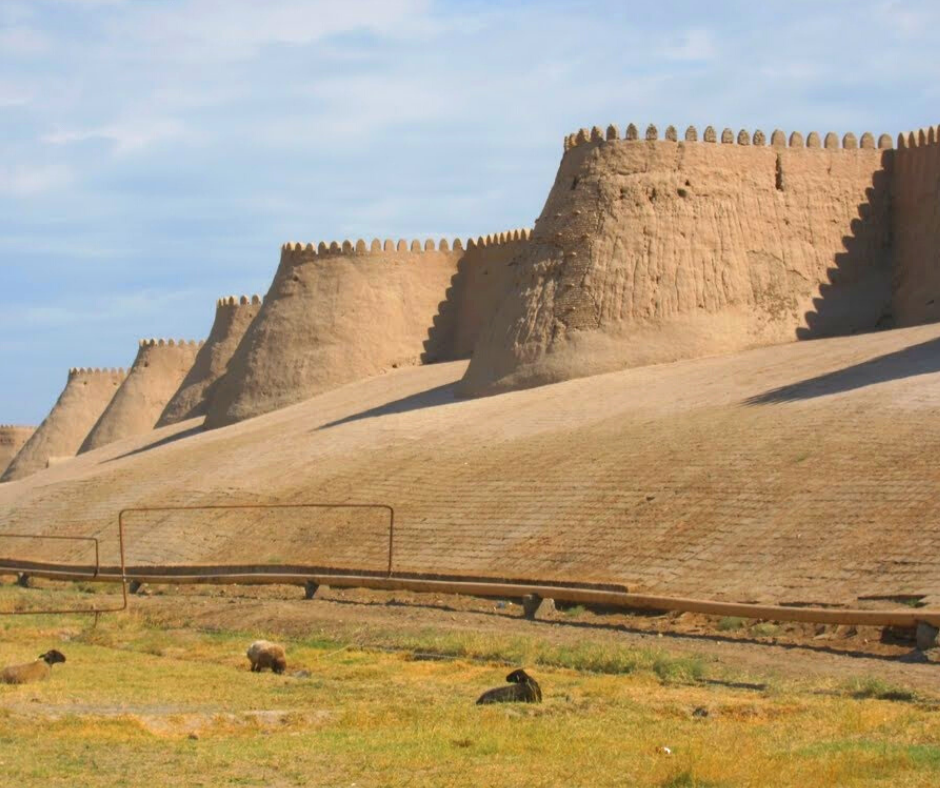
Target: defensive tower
x,y
155,376
652,250
342,312
12,439
232,318
87,393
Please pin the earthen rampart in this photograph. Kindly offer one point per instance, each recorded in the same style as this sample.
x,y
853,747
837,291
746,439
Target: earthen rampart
x,y
653,246
915,197
342,311
651,250
233,315
86,394
160,367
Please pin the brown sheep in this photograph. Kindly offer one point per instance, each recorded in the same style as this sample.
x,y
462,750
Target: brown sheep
x,y
522,689
264,654
39,670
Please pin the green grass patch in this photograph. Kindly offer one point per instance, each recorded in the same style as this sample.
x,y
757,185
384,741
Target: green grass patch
x,y
156,702
870,687
765,629
731,623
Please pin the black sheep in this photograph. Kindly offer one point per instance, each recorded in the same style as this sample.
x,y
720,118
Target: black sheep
x,y
522,689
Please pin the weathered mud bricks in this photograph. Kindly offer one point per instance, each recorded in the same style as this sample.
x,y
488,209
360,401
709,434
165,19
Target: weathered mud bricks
x,y
652,250
916,229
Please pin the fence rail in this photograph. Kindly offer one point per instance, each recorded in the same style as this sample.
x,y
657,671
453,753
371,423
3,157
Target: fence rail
x,y
586,593
76,573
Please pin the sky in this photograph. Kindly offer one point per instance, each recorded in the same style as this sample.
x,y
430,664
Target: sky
x,y
154,154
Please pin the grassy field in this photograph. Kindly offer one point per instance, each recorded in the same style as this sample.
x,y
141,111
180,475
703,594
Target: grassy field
x,y
150,702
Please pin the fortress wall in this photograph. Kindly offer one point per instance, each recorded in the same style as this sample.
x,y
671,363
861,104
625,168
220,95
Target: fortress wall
x,y
160,367
916,207
334,314
12,439
653,250
483,274
87,393
232,318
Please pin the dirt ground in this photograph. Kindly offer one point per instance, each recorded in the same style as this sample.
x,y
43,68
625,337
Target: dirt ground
x,y
761,649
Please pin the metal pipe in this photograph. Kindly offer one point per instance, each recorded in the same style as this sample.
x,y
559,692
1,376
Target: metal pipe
x,y
624,599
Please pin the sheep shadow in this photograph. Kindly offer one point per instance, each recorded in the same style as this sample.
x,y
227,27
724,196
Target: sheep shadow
x,y
920,359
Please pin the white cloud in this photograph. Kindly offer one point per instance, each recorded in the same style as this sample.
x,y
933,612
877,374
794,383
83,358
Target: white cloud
x,y
691,45
907,21
236,29
126,137
107,308
22,180
22,41
12,95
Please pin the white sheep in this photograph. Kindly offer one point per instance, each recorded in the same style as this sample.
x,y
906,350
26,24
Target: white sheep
x,y
264,654
39,670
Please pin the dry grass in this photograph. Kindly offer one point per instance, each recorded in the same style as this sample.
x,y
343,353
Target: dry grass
x,y
141,703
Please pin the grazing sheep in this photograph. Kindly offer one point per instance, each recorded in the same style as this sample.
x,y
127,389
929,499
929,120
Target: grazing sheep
x,y
264,654
39,670
522,689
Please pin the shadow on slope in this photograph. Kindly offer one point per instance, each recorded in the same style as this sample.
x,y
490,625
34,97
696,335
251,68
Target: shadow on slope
x,y
439,395
922,359
162,442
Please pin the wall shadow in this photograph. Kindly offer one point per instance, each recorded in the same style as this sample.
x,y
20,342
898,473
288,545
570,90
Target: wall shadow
x,y
439,395
857,297
438,346
484,274
920,359
162,442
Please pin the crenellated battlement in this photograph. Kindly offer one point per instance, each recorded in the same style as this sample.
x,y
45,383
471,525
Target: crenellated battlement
x,y
86,371
361,248
778,139
254,300
512,236
193,343
919,139
17,427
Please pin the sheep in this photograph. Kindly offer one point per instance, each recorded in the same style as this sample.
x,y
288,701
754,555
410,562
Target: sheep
x,y
39,670
264,654
522,689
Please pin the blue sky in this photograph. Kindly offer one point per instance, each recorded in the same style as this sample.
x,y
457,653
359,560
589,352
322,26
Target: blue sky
x,y
155,154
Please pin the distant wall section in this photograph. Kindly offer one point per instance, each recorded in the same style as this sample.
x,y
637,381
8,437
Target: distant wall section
x,y
484,273
86,394
12,439
334,314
